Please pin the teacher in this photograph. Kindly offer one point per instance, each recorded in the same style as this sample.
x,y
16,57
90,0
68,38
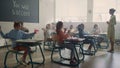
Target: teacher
x,y
111,29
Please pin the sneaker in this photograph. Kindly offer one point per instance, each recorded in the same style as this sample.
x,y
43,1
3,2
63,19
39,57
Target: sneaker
x,y
73,62
22,62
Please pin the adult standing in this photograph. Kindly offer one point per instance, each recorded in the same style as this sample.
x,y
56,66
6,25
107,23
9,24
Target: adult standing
x,y
111,29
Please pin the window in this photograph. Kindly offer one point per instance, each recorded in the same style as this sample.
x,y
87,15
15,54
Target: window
x,y
71,10
101,10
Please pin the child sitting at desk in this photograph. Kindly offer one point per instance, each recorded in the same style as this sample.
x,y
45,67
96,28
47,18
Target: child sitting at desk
x,y
61,36
82,34
96,30
17,34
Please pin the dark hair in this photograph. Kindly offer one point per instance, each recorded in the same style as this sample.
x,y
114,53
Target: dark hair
x,y
81,26
81,30
95,25
16,24
47,26
112,9
59,26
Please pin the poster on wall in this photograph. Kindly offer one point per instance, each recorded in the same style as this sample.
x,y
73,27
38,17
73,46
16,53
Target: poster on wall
x,y
19,10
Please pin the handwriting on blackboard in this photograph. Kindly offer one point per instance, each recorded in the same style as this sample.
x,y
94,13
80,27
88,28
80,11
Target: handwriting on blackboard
x,y
20,9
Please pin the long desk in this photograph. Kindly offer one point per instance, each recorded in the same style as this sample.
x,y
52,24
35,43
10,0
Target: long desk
x,y
32,43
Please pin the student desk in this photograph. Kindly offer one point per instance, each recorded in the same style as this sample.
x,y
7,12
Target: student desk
x,y
32,43
66,61
29,43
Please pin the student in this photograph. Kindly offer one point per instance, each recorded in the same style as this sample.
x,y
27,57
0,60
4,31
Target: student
x,y
96,30
111,29
53,29
71,30
82,34
17,34
47,33
81,31
61,36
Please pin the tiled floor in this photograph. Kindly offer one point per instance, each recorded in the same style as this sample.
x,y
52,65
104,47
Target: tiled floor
x,y
102,59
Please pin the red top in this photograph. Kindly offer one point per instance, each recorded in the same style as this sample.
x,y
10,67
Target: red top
x,y
62,36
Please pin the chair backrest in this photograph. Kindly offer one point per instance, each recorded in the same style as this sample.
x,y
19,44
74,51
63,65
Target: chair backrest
x,y
8,43
55,39
55,42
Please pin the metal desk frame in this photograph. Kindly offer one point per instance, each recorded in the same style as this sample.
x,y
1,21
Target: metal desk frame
x,y
61,57
31,44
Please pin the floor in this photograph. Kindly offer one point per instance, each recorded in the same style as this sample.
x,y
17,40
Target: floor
x,y
102,59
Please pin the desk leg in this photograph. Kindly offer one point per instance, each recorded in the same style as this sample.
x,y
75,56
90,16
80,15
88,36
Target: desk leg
x,y
42,54
31,62
77,57
30,59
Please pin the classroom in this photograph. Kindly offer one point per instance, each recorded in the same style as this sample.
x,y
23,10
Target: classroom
x,y
59,33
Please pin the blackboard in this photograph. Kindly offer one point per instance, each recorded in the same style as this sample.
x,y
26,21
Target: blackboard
x,y
19,10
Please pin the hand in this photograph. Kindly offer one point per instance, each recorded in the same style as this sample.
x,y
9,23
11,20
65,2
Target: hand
x,y
65,29
36,31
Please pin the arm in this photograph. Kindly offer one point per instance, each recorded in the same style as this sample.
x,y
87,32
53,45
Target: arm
x,y
26,36
2,34
8,35
63,35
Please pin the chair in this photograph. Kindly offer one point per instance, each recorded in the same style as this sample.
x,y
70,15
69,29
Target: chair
x,y
10,50
48,42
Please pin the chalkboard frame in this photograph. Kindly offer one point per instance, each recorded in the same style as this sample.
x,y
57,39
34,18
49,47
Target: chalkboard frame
x,y
30,6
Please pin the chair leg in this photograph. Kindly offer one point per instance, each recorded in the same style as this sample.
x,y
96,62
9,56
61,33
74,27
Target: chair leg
x,y
77,57
60,54
5,59
52,54
16,55
81,52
